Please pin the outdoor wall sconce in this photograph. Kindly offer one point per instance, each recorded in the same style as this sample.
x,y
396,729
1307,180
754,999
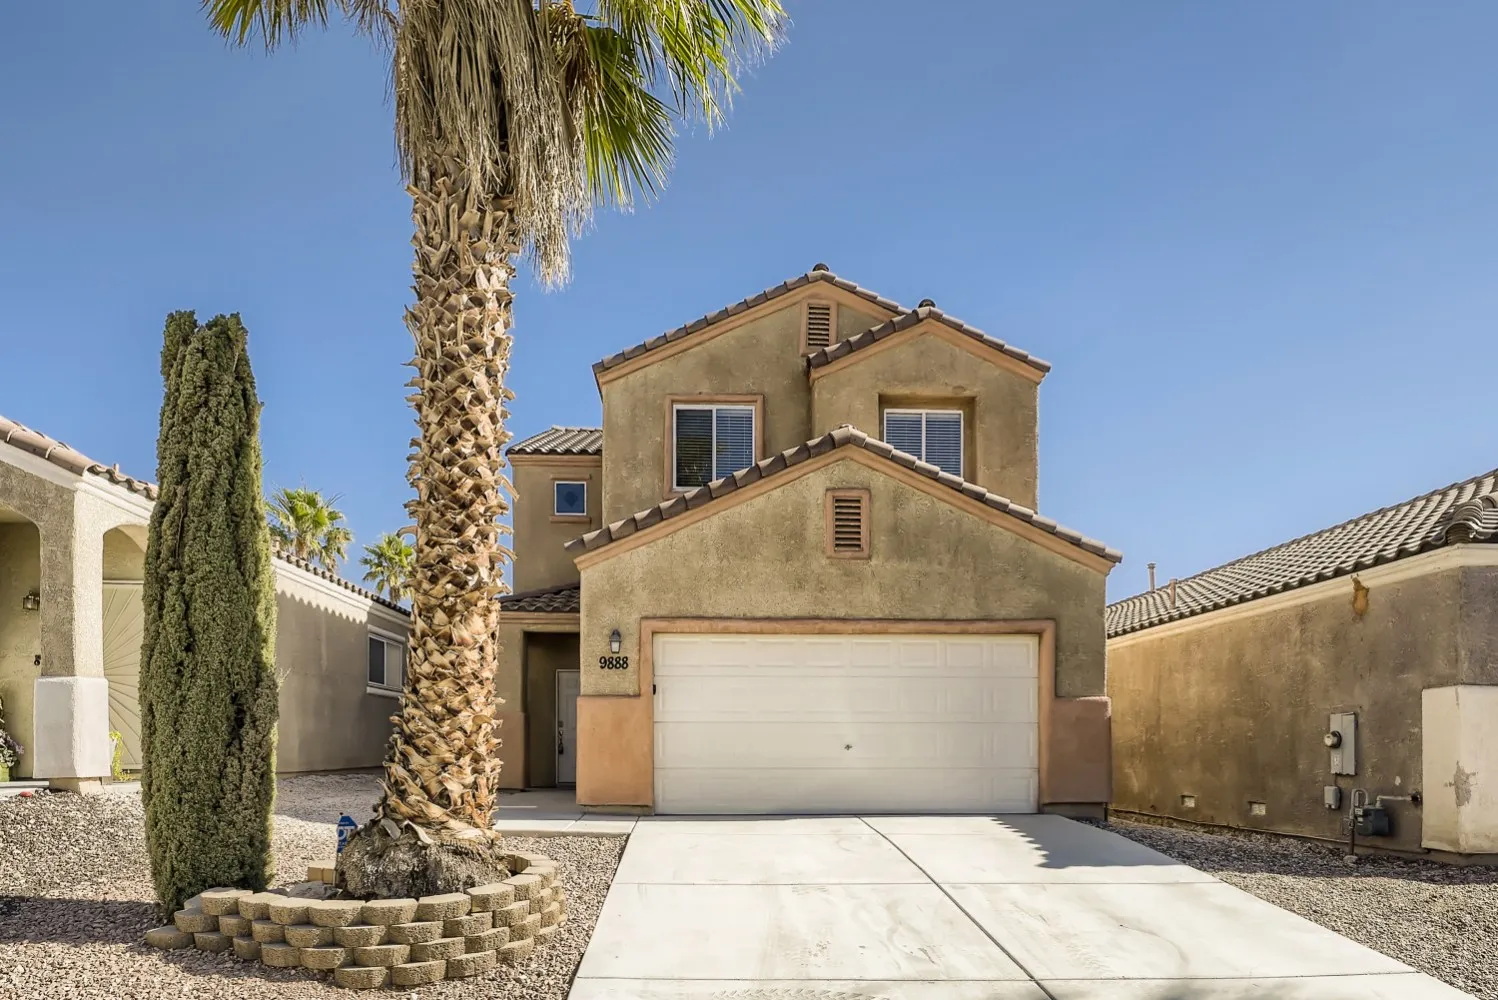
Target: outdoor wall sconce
x,y
31,602
615,640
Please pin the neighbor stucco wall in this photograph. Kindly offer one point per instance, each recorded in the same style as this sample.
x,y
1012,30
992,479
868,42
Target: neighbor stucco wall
x,y
1233,710
20,632
1000,406
328,721
540,559
762,357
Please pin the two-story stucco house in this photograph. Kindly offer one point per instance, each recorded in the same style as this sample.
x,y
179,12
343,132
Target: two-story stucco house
x,y
799,569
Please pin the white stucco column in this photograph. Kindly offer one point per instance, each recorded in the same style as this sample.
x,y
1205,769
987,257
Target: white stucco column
x,y
71,706
1459,746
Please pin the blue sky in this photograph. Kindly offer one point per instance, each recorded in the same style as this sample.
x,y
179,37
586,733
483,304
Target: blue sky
x,y
1258,241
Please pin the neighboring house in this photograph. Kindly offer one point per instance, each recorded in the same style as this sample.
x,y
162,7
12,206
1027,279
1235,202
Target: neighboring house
x,y
1227,685
770,609
72,555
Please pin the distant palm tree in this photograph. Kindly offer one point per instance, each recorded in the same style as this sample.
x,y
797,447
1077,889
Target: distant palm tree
x,y
389,562
308,527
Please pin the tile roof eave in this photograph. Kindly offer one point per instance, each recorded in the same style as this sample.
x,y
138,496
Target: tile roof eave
x,y
845,436
558,440
857,342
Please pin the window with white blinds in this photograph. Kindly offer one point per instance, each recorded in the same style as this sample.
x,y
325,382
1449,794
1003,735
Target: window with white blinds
x,y
711,441
933,436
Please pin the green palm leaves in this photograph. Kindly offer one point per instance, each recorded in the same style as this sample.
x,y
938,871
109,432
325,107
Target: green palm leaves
x,y
309,527
389,562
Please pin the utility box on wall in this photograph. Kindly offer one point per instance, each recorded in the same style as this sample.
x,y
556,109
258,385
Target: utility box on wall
x,y
1342,740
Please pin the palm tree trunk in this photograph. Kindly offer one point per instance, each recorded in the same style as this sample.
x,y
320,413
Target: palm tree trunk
x,y
442,772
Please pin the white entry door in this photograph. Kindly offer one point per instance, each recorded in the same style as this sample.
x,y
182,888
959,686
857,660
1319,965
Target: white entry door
x,y
567,691
767,724
124,626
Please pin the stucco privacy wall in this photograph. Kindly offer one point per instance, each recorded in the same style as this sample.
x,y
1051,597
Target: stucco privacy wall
x,y
20,631
328,721
762,558
761,357
540,560
1461,768
1230,707
999,418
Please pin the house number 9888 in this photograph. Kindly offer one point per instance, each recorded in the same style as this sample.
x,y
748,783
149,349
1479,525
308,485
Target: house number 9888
x,y
614,662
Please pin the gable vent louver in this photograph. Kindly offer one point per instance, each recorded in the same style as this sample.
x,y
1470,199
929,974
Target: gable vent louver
x,y
818,325
847,523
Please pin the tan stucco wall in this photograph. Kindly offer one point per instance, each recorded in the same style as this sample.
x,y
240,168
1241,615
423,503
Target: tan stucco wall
x,y
1000,407
509,684
763,558
851,322
762,357
328,722
20,632
540,560
124,557
1234,711
545,654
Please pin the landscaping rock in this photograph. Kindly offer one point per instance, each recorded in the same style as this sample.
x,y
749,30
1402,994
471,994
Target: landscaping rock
x,y
360,935
247,949
308,935
416,933
195,921
353,977
383,955
325,957
168,937
443,907
233,925
256,906
308,890
516,951
545,934
220,901
267,931
334,912
211,941
490,897
280,956
487,941
440,949
475,964
417,973
388,911
289,911
474,923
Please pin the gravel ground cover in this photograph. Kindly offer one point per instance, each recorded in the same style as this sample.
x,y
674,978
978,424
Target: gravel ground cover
x,y
75,901
1440,919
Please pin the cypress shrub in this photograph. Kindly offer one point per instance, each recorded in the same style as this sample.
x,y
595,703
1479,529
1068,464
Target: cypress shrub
x,y
207,672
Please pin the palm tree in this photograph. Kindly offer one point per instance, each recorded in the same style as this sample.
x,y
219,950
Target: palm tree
x,y
513,120
308,527
389,564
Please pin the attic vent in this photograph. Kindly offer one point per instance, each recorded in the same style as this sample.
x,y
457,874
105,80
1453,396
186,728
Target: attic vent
x,y
818,325
848,524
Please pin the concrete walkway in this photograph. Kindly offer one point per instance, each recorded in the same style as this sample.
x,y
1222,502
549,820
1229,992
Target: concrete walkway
x,y
957,908
547,811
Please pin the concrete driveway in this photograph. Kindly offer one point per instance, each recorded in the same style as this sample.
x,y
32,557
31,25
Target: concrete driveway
x,y
958,908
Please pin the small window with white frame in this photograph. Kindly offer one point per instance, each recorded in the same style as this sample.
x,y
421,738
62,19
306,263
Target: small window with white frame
x,y
710,441
569,498
387,664
933,436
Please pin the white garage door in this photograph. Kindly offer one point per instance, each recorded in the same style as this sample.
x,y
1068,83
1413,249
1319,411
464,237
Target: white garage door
x,y
845,724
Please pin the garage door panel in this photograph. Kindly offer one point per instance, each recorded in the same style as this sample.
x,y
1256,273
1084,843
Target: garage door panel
x,y
840,723
833,791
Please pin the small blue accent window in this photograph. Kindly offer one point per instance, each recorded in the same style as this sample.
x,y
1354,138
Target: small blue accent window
x,y
571,499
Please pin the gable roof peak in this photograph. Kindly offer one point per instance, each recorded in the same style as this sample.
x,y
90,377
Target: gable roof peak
x,y
912,317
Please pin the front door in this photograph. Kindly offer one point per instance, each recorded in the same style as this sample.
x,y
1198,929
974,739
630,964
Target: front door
x,y
567,691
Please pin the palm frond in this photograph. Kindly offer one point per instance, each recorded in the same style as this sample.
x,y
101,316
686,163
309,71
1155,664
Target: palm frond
x,y
275,22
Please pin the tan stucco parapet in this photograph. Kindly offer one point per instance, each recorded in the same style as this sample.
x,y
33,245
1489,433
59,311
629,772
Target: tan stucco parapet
x,y
817,275
1033,367
956,490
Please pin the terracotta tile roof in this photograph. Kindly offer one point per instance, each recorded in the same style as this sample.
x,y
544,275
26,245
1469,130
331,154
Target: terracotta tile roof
x,y
61,455
561,441
905,321
1462,512
818,273
564,600
65,457
843,437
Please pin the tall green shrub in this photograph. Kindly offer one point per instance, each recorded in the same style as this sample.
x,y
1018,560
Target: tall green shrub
x,y
207,673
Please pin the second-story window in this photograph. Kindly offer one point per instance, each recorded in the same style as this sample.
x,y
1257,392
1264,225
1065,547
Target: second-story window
x,y
569,499
933,436
711,441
